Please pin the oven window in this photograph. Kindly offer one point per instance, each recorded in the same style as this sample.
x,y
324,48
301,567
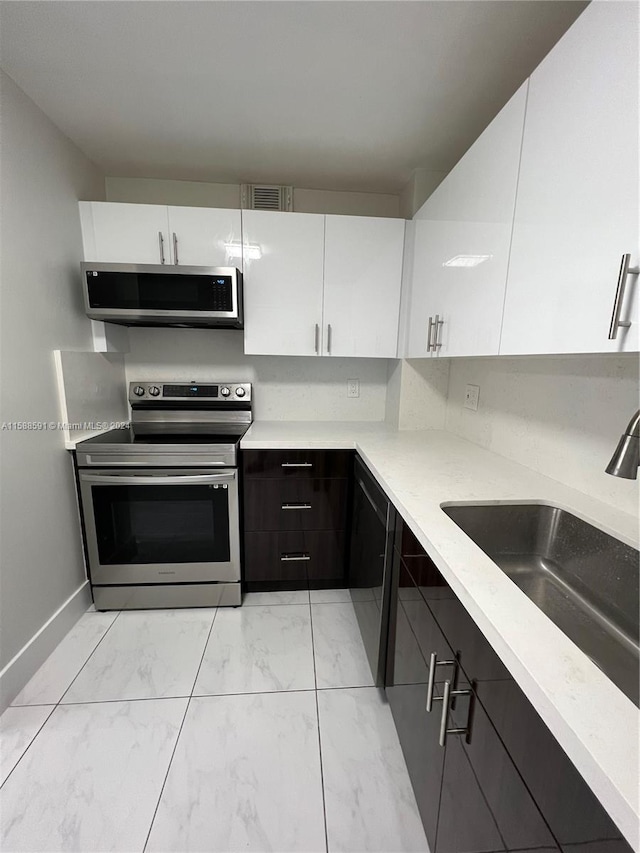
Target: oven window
x,y
161,524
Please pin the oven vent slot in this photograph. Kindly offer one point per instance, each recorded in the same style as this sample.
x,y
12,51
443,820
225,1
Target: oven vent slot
x,y
266,197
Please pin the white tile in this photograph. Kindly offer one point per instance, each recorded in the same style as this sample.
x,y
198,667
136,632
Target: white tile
x,y
258,649
328,596
298,596
245,776
18,727
369,801
148,654
58,671
340,657
92,778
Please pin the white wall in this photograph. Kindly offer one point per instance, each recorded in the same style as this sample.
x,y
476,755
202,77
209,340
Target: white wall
x,y
561,416
285,387
195,194
417,393
42,177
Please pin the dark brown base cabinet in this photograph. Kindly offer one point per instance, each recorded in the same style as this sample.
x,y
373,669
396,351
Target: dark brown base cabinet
x,y
295,518
502,783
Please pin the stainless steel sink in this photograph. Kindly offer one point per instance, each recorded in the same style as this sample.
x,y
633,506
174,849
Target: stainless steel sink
x,y
583,579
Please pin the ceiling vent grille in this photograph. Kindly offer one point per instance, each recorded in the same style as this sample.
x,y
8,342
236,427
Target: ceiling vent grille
x,y
266,197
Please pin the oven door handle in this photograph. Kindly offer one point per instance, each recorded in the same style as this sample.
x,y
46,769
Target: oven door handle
x,y
160,480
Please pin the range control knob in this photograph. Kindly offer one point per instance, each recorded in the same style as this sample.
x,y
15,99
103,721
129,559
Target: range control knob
x,y
154,391
240,392
225,391
138,390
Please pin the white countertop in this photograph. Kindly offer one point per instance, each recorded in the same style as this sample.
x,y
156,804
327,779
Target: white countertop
x,y
592,719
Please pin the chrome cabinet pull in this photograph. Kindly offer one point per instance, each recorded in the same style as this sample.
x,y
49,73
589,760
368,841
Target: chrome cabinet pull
x,y
161,245
429,333
317,339
625,272
447,693
175,249
294,558
433,663
297,465
438,323
296,506
328,338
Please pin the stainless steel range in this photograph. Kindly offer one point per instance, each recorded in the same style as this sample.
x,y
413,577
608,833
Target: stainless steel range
x,y
160,498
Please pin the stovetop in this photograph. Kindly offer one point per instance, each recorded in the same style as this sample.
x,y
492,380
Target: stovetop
x,y
191,434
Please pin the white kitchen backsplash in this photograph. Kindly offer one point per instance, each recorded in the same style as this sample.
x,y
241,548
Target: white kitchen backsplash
x,y
286,388
561,416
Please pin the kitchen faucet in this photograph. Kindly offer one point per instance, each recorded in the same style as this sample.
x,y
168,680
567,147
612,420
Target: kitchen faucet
x,y
626,458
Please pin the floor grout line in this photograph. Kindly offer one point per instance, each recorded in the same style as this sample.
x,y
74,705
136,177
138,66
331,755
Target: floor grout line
x,y
55,705
175,746
118,614
315,679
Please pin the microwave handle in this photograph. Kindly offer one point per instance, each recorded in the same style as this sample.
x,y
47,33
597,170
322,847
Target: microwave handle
x,y
161,480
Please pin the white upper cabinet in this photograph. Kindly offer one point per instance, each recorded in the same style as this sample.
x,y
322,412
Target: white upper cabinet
x,y
125,233
155,234
461,246
577,207
362,275
283,286
202,236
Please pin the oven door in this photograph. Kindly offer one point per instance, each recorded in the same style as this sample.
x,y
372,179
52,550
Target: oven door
x,y
161,526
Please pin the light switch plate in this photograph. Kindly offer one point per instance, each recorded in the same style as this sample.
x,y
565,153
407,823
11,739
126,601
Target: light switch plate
x,y
471,397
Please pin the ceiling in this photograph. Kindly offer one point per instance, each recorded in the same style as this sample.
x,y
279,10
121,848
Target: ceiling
x,y
329,95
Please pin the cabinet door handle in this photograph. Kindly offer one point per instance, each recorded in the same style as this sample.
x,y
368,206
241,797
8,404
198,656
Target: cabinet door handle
x,y
328,338
161,246
433,663
429,333
438,323
447,693
294,558
175,249
316,344
625,272
297,465
296,506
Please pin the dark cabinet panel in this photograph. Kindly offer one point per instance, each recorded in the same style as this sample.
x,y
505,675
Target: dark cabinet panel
x,y
296,559
279,504
574,814
537,798
516,815
296,463
407,674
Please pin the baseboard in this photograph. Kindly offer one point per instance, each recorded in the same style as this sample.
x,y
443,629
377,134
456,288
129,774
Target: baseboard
x,y
34,653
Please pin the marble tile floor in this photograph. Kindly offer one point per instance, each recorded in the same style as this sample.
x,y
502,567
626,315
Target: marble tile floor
x,y
249,729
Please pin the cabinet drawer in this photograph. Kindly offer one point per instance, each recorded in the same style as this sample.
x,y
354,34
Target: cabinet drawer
x,y
298,558
295,504
296,464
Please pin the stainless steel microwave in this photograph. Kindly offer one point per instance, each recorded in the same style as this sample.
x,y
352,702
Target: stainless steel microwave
x,y
157,295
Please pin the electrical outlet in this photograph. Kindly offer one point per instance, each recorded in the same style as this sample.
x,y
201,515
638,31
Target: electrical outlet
x,y
471,397
353,387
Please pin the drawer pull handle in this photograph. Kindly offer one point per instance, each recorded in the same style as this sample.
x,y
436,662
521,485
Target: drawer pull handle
x,y
625,271
433,663
296,506
294,558
447,693
297,465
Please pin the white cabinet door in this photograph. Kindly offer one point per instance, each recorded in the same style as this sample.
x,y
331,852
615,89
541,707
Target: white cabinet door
x,y
113,232
577,208
202,236
283,287
362,278
461,244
